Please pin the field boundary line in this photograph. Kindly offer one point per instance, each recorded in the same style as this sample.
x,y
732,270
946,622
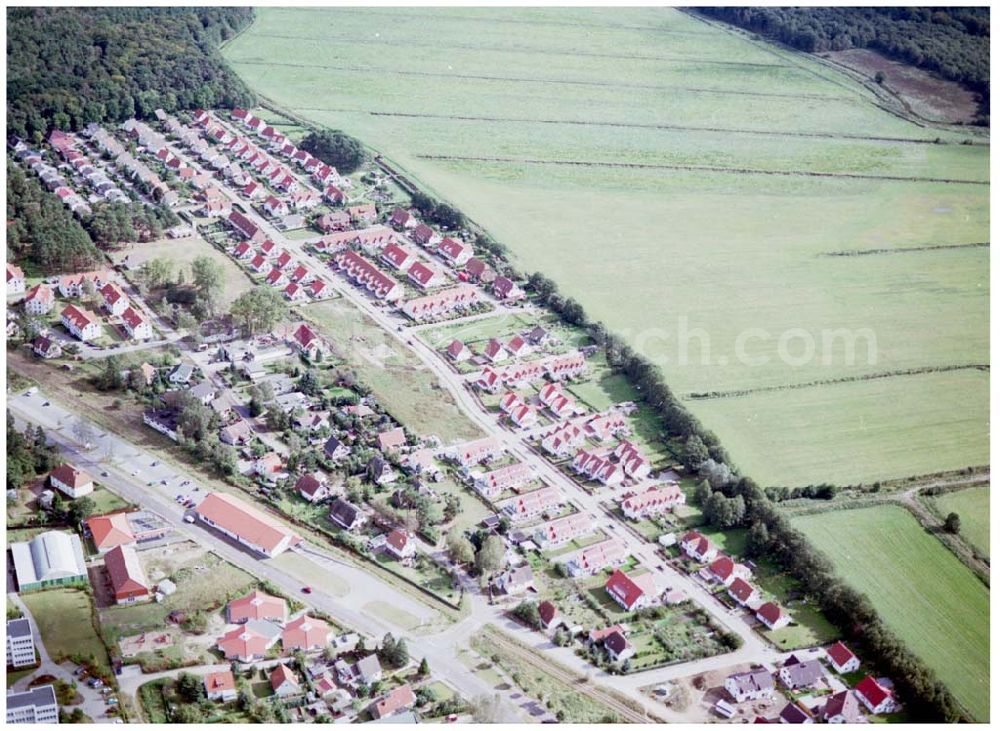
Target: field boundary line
x,y
736,393
906,249
702,169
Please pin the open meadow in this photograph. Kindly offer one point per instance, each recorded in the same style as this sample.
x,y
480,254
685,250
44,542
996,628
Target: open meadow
x,y
924,594
973,507
663,171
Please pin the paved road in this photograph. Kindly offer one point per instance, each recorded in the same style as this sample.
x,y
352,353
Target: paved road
x,y
439,647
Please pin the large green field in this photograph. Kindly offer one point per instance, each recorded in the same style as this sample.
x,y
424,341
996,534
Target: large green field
x,y
722,230
973,507
923,592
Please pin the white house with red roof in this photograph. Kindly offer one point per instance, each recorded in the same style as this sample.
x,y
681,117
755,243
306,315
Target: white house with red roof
x,y
632,592
593,559
237,519
524,416
221,686
531,504
306,633
298,273
655,500
476,451
425,235
743,592
400,218
284,682
509,477
257,605
250,641
842,659
724,570
71,481
363,273
313,487
363,212
773,616
317,288
307,342
114,300
400,545
697,546
518,347
81,322
15,279
425,276
397,257
276,278
294,292
454,252
563,440
875,696
458,351
489,380
269,466
562,530
259,263
495,351
243,250
253,191
39,300
137,326
441,303
275,206
598,466
504,288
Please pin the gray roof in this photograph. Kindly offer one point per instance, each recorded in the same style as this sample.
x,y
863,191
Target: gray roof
x,y
803,674
369,666
269,629
402,717
343,512
43,695
753,680
48,556
18,628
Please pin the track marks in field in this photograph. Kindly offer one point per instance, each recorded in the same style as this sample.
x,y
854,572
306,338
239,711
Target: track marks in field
x,y
634,125
736,393
702,169
906,249
528,80
528,50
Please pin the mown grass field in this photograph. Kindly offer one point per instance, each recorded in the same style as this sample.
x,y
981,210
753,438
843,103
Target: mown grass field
x,y
489,125
66,624
924,594
973,507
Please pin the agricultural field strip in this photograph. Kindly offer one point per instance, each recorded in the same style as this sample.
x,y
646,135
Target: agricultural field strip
x,y
382,72
368,42
634,125
703,169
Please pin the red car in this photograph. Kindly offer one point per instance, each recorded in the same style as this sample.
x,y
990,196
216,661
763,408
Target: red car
x,y
307,590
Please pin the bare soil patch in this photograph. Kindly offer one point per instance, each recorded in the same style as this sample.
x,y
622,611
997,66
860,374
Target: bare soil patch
x,y
928,96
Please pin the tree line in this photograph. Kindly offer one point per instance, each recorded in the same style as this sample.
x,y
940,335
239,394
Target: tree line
x,y
952,42
68,67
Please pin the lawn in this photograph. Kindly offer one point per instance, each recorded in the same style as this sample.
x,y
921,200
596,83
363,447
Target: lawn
x,y
924,594
181,252
407,389
714,258
65,622
204,583
106,501
973,507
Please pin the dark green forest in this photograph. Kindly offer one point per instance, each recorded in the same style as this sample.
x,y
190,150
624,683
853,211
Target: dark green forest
x,y
68,67
42,231
951,42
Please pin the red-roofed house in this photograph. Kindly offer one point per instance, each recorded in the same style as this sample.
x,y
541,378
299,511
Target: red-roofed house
x,y
425,235
425,276
397,257
306,633
743,593
618,647
245,227
458,351
548,614
773,616
294,293
725,571
15,279
313,487
257,605
246,524
276,278
495,351
454,251
81,322
307,342
400,544
39,300
876,697
505,289
391,440
697,546
396,700
137,326
631,593
402,218
657,499
283,681
842,659
243,250
275,206
246,643
70,481
110,531
221,686
128,581
259,263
